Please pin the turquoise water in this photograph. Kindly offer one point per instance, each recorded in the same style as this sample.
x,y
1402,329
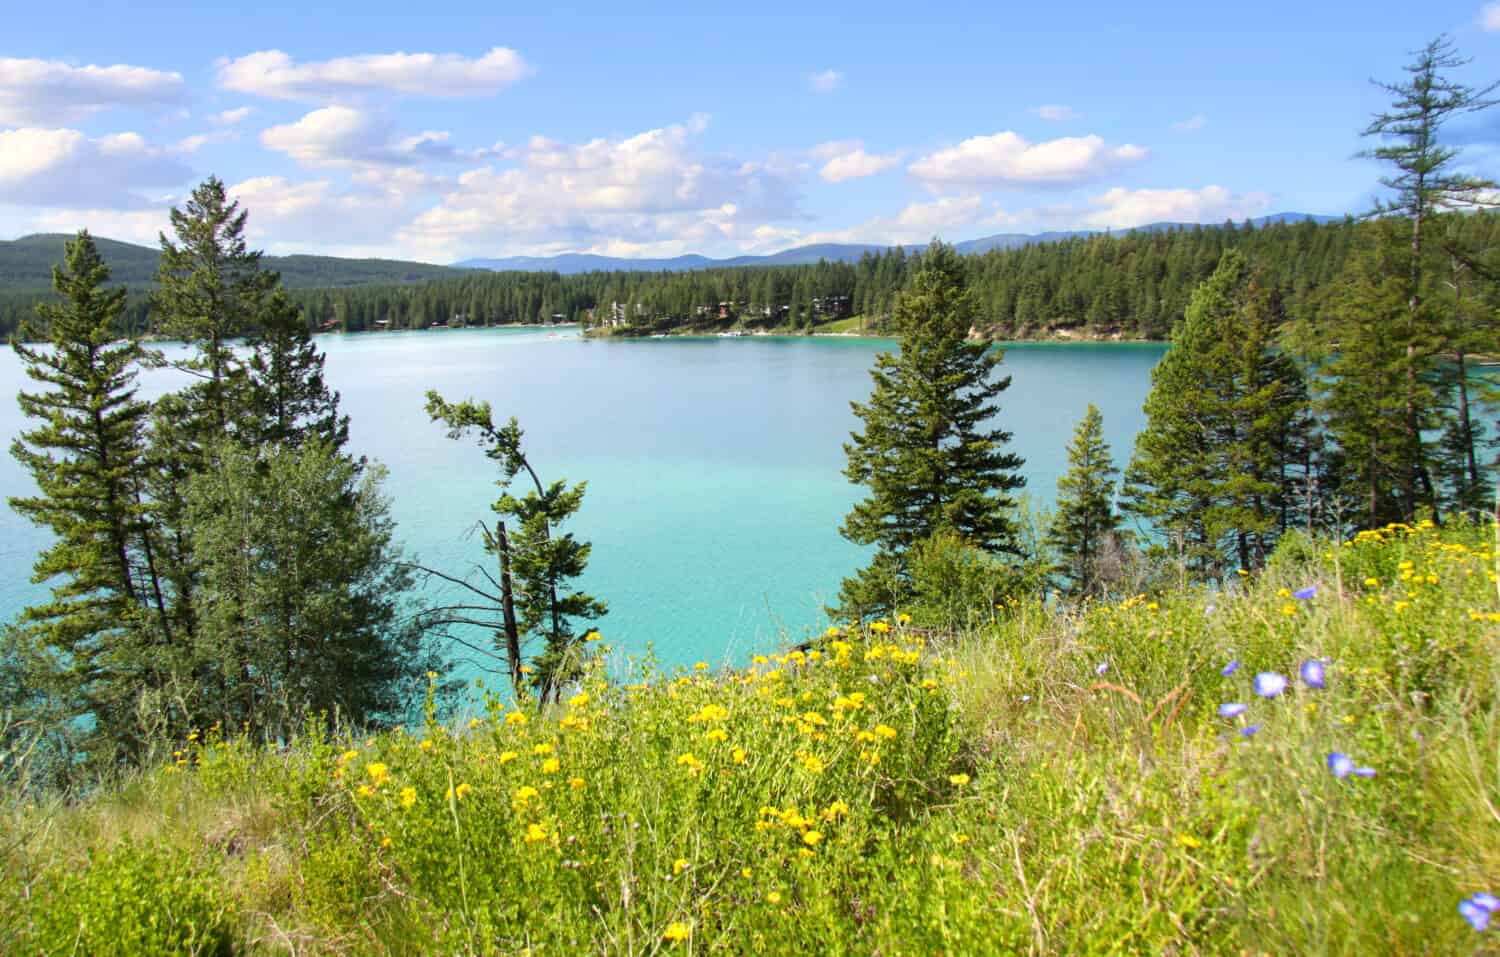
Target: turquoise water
x,y
714,465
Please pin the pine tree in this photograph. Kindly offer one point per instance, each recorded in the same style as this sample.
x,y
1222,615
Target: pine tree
x,y
1085,517
1363,393
288,401
1214,469
1425,181
210,290
926,452
95,640
537,562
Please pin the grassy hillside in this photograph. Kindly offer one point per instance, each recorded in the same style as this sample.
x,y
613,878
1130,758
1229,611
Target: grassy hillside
x,y
1051,781
26,265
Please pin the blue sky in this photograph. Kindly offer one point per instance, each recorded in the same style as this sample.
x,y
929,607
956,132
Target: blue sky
x,y
488,129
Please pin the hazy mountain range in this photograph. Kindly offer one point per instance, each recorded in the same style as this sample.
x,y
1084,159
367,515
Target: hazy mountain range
x,y
804,255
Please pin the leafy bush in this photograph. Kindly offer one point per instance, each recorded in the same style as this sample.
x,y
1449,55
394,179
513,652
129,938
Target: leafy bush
x,y
144,900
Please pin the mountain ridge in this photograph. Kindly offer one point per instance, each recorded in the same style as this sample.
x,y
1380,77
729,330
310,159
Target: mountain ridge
x,y
572,262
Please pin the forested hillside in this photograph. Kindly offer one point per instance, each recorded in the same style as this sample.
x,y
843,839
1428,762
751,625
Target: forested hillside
x,y
1133,285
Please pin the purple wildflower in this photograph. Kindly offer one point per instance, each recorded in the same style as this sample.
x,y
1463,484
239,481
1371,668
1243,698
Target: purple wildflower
x,y
1313,674
1304,594
1101,668
1475,913
1250,729
1231,668
1486,900
1340,764
1232,709
1269,684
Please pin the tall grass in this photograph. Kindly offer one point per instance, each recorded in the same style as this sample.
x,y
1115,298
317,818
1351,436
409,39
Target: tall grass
x,y
1059,781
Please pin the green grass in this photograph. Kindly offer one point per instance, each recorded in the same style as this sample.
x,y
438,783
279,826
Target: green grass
x,y
889,792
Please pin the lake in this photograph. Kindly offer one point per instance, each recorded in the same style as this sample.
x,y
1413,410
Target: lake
x,y
714,465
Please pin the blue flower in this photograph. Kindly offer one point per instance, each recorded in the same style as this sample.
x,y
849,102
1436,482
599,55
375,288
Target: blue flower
x,y
1478,908
1250,729
1312,674
1268,684
1232,710
1231,668
1340,764
1303,594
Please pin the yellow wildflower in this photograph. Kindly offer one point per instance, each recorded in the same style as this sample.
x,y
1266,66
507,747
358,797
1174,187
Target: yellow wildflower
x,y
508,756
739,755
885,731
677,931
812,838
535,832
551,766
426,744
773,897
463,790
378,772
958,780
516,717
1188,841
679,865
576,783
408,797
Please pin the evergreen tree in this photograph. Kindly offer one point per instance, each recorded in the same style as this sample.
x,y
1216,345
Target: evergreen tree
x,y
91,648
299,589
926,452
1362,384
1214,469
537,563
288,400
210,289
1085,516
1425,181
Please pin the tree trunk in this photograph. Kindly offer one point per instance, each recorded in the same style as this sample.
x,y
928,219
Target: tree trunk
x,y
508,608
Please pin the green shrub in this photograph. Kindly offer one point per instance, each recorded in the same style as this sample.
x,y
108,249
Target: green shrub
x,y
145,900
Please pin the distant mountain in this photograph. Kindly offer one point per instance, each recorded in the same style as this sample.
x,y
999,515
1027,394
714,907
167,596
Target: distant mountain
x,y
569,263
26,263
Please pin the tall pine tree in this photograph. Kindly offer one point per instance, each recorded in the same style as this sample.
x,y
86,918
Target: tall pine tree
x,y
927,451
1426,180
1085,517
97,643
1215,470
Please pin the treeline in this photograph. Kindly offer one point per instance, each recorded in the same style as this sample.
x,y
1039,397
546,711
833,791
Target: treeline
x,y
1133,285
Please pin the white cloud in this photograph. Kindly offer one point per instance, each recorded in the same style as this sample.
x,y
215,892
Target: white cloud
x,y
1192,124
1489,17
196,142
826,81
231,117
51,92
275,74
583,196
847,159
40,167
1122,208
949,212
1055,112
1009,159
352,219
342,136
131,226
